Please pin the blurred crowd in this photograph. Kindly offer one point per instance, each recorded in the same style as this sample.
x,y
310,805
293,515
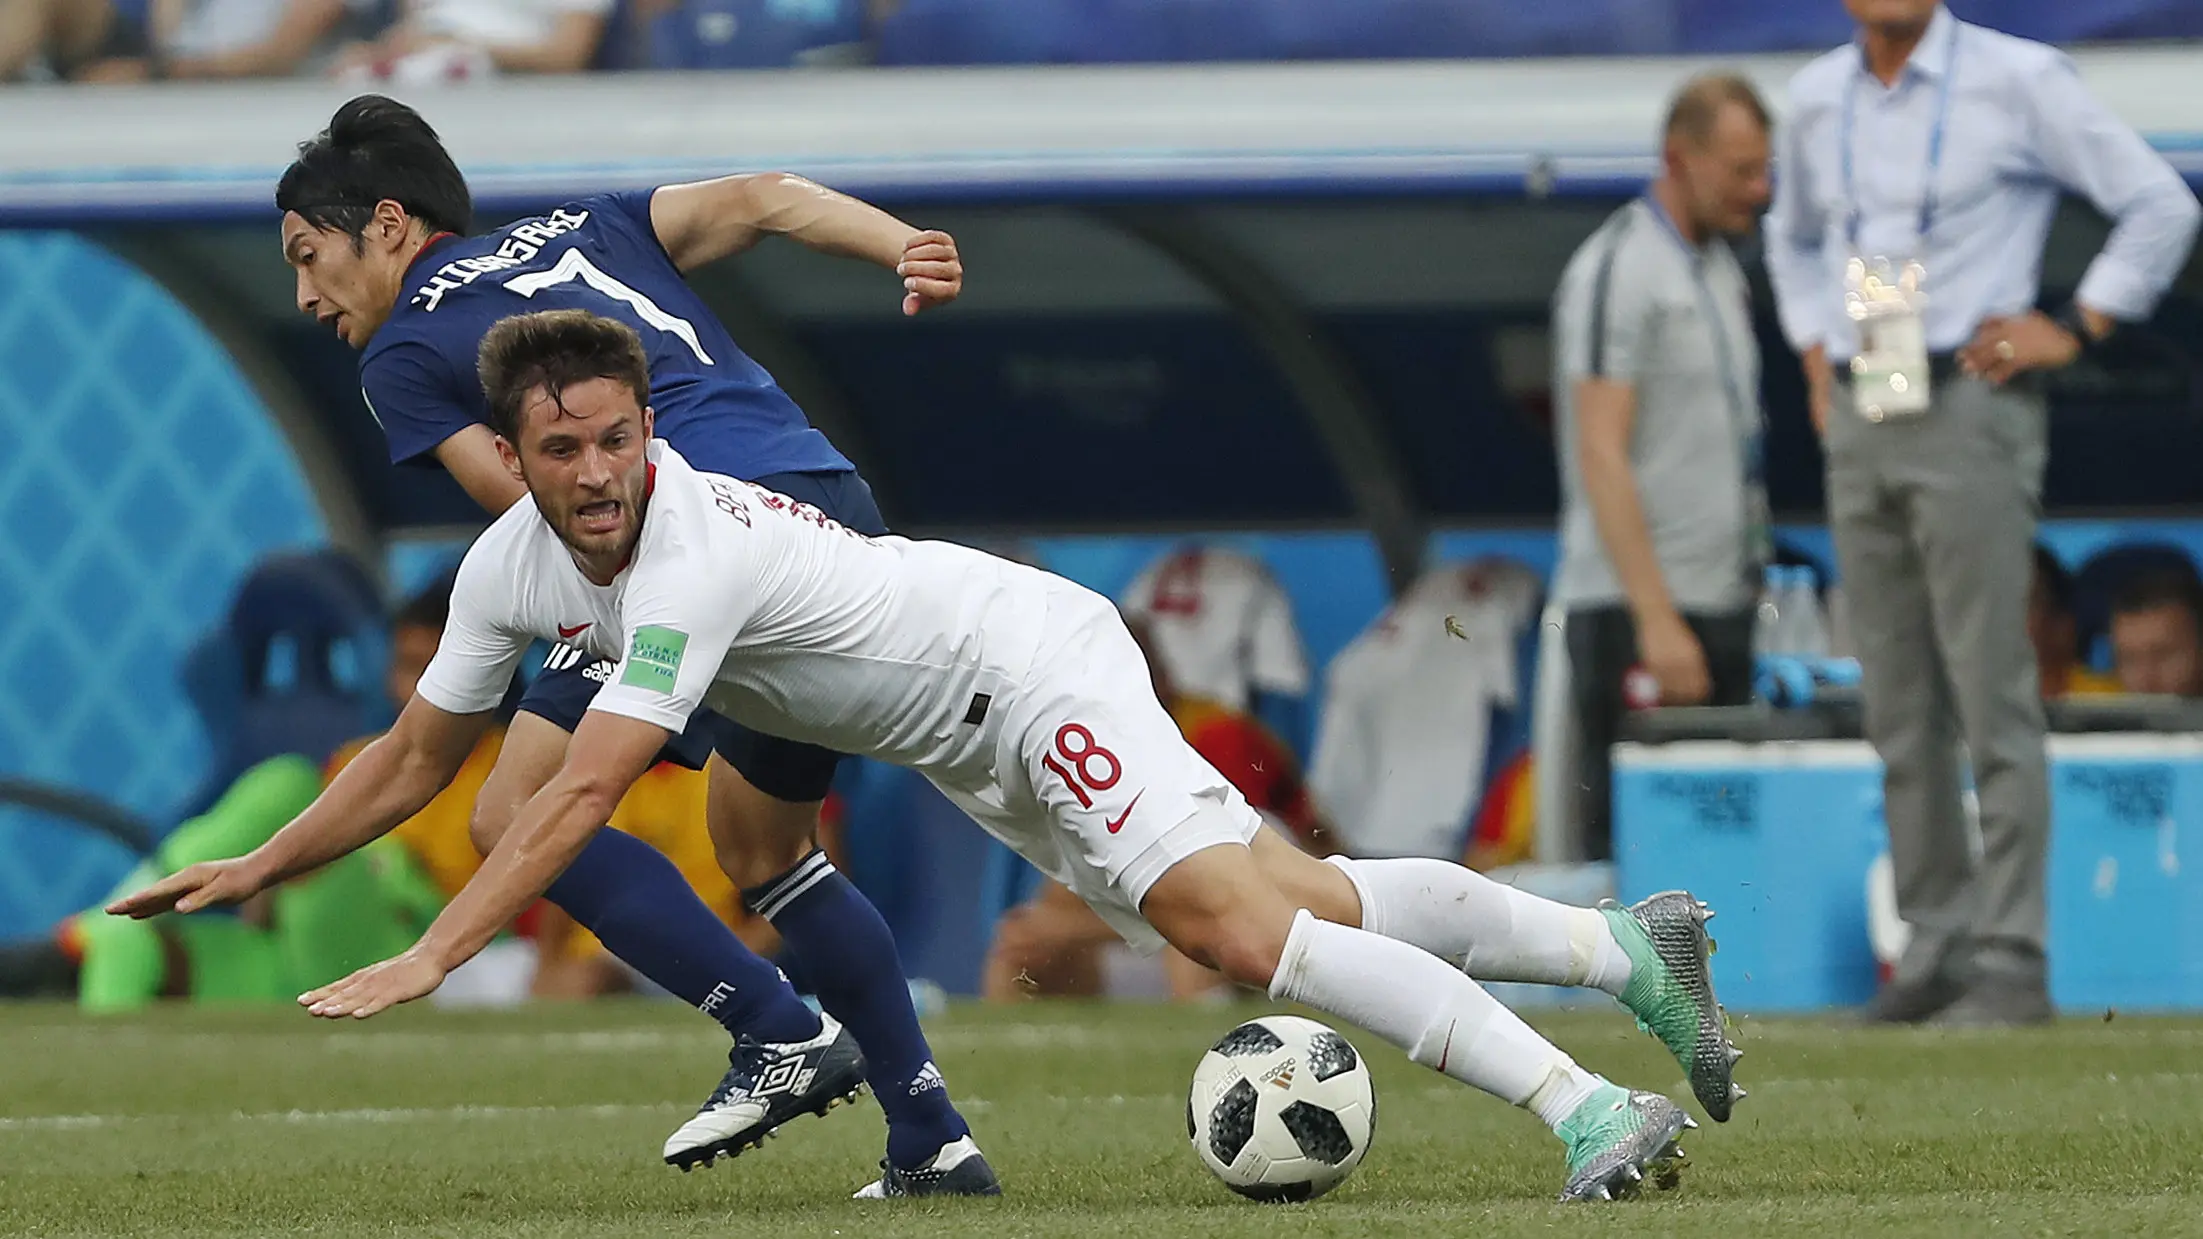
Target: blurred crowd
x,y
411,42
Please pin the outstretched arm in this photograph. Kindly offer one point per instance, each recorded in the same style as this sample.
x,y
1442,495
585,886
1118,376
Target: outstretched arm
x,y
390,781
704,221
609,752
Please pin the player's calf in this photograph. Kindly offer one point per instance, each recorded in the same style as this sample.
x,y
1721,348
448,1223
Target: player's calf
x,y
756,837
765,846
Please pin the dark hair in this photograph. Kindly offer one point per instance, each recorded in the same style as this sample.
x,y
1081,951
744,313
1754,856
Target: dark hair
x,y
2161,587
1697,106
2057,583
555,349
375,149
431,606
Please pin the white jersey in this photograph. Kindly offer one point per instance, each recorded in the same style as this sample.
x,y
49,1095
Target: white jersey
x,y
770,613
1019,694
1221,625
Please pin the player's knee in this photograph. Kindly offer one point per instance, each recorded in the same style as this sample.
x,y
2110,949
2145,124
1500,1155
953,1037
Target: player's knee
x,y
753,857
487,823
756,836
1325,889
1242,938
1247,949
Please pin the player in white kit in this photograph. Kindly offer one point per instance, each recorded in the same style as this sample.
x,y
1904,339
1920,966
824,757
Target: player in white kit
x,y
1022,696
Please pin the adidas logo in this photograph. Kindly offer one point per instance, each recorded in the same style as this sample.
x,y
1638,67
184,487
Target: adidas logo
x,y
928,1077
1280,1075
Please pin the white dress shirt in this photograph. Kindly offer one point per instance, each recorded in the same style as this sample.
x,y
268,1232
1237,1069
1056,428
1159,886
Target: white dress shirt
x,y
2017,128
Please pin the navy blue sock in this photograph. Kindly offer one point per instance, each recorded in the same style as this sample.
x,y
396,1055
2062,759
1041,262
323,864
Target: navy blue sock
x,y
849,955
637,903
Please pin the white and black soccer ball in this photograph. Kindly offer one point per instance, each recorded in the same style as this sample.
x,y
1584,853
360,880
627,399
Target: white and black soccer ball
x,y
1281,1109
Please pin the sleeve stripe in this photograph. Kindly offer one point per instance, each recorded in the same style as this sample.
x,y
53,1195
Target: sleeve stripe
x,y
1600,288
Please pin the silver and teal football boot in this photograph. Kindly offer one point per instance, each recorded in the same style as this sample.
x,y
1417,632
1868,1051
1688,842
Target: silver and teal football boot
x,y
1618,1139
1670,991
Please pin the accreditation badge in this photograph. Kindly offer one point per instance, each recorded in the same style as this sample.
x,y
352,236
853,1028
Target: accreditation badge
x,y
1890,377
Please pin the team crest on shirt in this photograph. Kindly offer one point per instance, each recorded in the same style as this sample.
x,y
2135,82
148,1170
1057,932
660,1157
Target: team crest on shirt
x,y
654,658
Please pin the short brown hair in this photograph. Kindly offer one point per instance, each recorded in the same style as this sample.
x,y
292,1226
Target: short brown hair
x,y
552,350
1697,106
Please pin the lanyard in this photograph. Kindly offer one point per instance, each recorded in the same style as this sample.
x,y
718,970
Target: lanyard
x,y
1741,413
1928,196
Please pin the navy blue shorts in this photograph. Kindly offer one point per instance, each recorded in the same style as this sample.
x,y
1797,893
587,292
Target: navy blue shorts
x,y
782,769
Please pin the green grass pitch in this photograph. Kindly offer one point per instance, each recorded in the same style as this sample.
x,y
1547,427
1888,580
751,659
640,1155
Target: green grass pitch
x,y
547,1122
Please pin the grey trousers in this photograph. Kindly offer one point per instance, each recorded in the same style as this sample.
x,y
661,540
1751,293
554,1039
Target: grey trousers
x,y
1934,519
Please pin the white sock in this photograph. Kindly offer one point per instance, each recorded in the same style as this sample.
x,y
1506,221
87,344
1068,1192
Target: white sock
x,y
1443,1019
1497,932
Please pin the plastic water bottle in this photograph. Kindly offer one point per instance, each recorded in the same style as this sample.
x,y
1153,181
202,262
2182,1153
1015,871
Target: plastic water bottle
x,y
1805,627
1839,624
1767,625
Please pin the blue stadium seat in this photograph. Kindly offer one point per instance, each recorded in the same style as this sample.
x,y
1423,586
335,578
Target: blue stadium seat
x,y
752,34
294,668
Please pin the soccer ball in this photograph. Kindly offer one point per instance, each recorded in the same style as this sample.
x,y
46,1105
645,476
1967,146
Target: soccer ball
x,y
1281,1109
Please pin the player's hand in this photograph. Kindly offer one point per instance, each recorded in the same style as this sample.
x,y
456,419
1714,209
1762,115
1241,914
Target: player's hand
x,y
209,884
933,273
1670,651
2005,348
378,987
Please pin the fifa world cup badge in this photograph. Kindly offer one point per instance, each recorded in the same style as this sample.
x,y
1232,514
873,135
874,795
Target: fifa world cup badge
x,y
1890,377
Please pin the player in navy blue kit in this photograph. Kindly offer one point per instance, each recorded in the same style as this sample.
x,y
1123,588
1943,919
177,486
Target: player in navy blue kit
x,y
374,212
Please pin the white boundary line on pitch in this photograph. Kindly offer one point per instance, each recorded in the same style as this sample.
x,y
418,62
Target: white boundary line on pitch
x,y
953,1037
434,1114
417,1114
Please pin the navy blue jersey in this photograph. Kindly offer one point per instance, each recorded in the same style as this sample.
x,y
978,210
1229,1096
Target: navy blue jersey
x,y
718,408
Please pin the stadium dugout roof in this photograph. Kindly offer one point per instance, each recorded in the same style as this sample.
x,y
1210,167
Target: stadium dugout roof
x,y
1199,296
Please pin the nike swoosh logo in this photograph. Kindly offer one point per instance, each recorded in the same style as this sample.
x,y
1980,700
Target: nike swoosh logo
x,y
1116,823
568,634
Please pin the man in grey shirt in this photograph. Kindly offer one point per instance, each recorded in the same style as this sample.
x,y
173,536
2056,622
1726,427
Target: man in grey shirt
x,y
1940,149
1664,516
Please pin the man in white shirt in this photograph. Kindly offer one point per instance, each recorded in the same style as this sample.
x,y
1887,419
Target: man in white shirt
x,y
439,40
1921,166
1019,694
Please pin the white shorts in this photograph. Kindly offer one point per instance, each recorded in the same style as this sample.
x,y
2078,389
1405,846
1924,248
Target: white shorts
x,y
1094,784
